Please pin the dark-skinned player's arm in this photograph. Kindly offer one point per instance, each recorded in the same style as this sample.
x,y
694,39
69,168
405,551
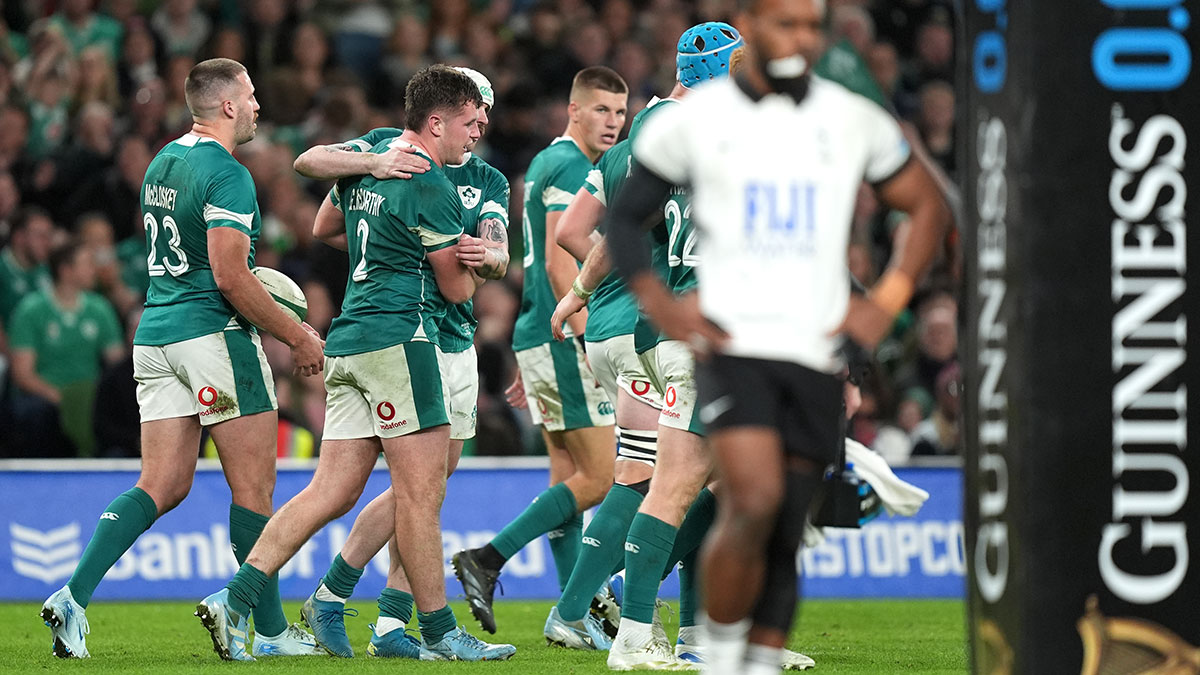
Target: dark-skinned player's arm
x,y
914,191
633,213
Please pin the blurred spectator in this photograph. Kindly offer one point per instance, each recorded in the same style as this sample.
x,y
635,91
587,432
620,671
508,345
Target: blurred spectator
x,y
448,28
268,32
116,419
589,45
14,133
23,262
10,201
148,114
115,190
59,340
939,434
406,54
177,114
95,235
138,64
292,89
89,154
181,27
83,27
359,38
937,343
854,24
617,17
229,43
97,80
934,58
936,122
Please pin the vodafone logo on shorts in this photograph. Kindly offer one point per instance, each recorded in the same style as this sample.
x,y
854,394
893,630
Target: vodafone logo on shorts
x,y
542,407
669,398
640,387
386,412
208,398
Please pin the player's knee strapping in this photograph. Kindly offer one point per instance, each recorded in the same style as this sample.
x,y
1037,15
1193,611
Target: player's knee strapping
x,y
777,603
637,445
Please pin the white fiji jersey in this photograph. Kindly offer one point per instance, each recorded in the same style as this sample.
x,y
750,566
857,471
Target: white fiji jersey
x,y
773,187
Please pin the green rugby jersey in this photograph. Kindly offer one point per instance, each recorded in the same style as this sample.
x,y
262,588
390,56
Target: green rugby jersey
x,y
69,343
673,255
553,178
192,185
391,295
483,193
612,311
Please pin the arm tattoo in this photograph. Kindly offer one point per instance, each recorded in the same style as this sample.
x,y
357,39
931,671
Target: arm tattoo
x,y
493,230
337,147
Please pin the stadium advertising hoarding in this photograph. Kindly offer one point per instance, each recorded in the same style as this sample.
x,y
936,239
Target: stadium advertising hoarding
x,y
186,554
1080,518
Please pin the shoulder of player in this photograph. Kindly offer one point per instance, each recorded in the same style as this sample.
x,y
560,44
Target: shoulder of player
x,y
841,99
209,159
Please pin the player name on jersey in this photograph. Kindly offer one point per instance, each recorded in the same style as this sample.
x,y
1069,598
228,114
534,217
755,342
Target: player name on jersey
x,y
364,200
161,196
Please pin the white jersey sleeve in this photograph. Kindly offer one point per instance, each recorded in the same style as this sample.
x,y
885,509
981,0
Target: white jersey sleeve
x,y
887,149
663,144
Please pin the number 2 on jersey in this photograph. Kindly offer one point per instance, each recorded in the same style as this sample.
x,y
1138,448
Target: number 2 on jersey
x,y
153,266
360,270
674,218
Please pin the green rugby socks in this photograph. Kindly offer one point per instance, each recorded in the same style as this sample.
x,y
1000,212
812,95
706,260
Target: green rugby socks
x,y
245,588
565,543
548,511
647,549
341,578
434,625
125,519
689,574
602,547
244,527
396,604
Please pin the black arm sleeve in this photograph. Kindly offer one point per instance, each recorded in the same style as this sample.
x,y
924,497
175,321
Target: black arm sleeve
x,y
636,209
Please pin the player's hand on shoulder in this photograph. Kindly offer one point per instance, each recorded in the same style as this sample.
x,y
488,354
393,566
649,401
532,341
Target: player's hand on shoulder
x,y
399,162
866,322
470,251
308,352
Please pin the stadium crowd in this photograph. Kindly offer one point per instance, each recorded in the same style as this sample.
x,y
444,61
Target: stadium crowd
x,y
90,91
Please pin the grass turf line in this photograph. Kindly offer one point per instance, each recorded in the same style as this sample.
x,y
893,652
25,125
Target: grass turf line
x,y
844,636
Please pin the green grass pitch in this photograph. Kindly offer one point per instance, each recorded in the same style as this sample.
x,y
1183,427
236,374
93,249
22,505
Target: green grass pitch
x,y
844,636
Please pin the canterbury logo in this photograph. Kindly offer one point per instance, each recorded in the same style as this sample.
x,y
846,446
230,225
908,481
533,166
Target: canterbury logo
x,y
591,541
109,515
632,548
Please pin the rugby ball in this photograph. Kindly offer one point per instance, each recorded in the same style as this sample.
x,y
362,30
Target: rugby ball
x,y
285,292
